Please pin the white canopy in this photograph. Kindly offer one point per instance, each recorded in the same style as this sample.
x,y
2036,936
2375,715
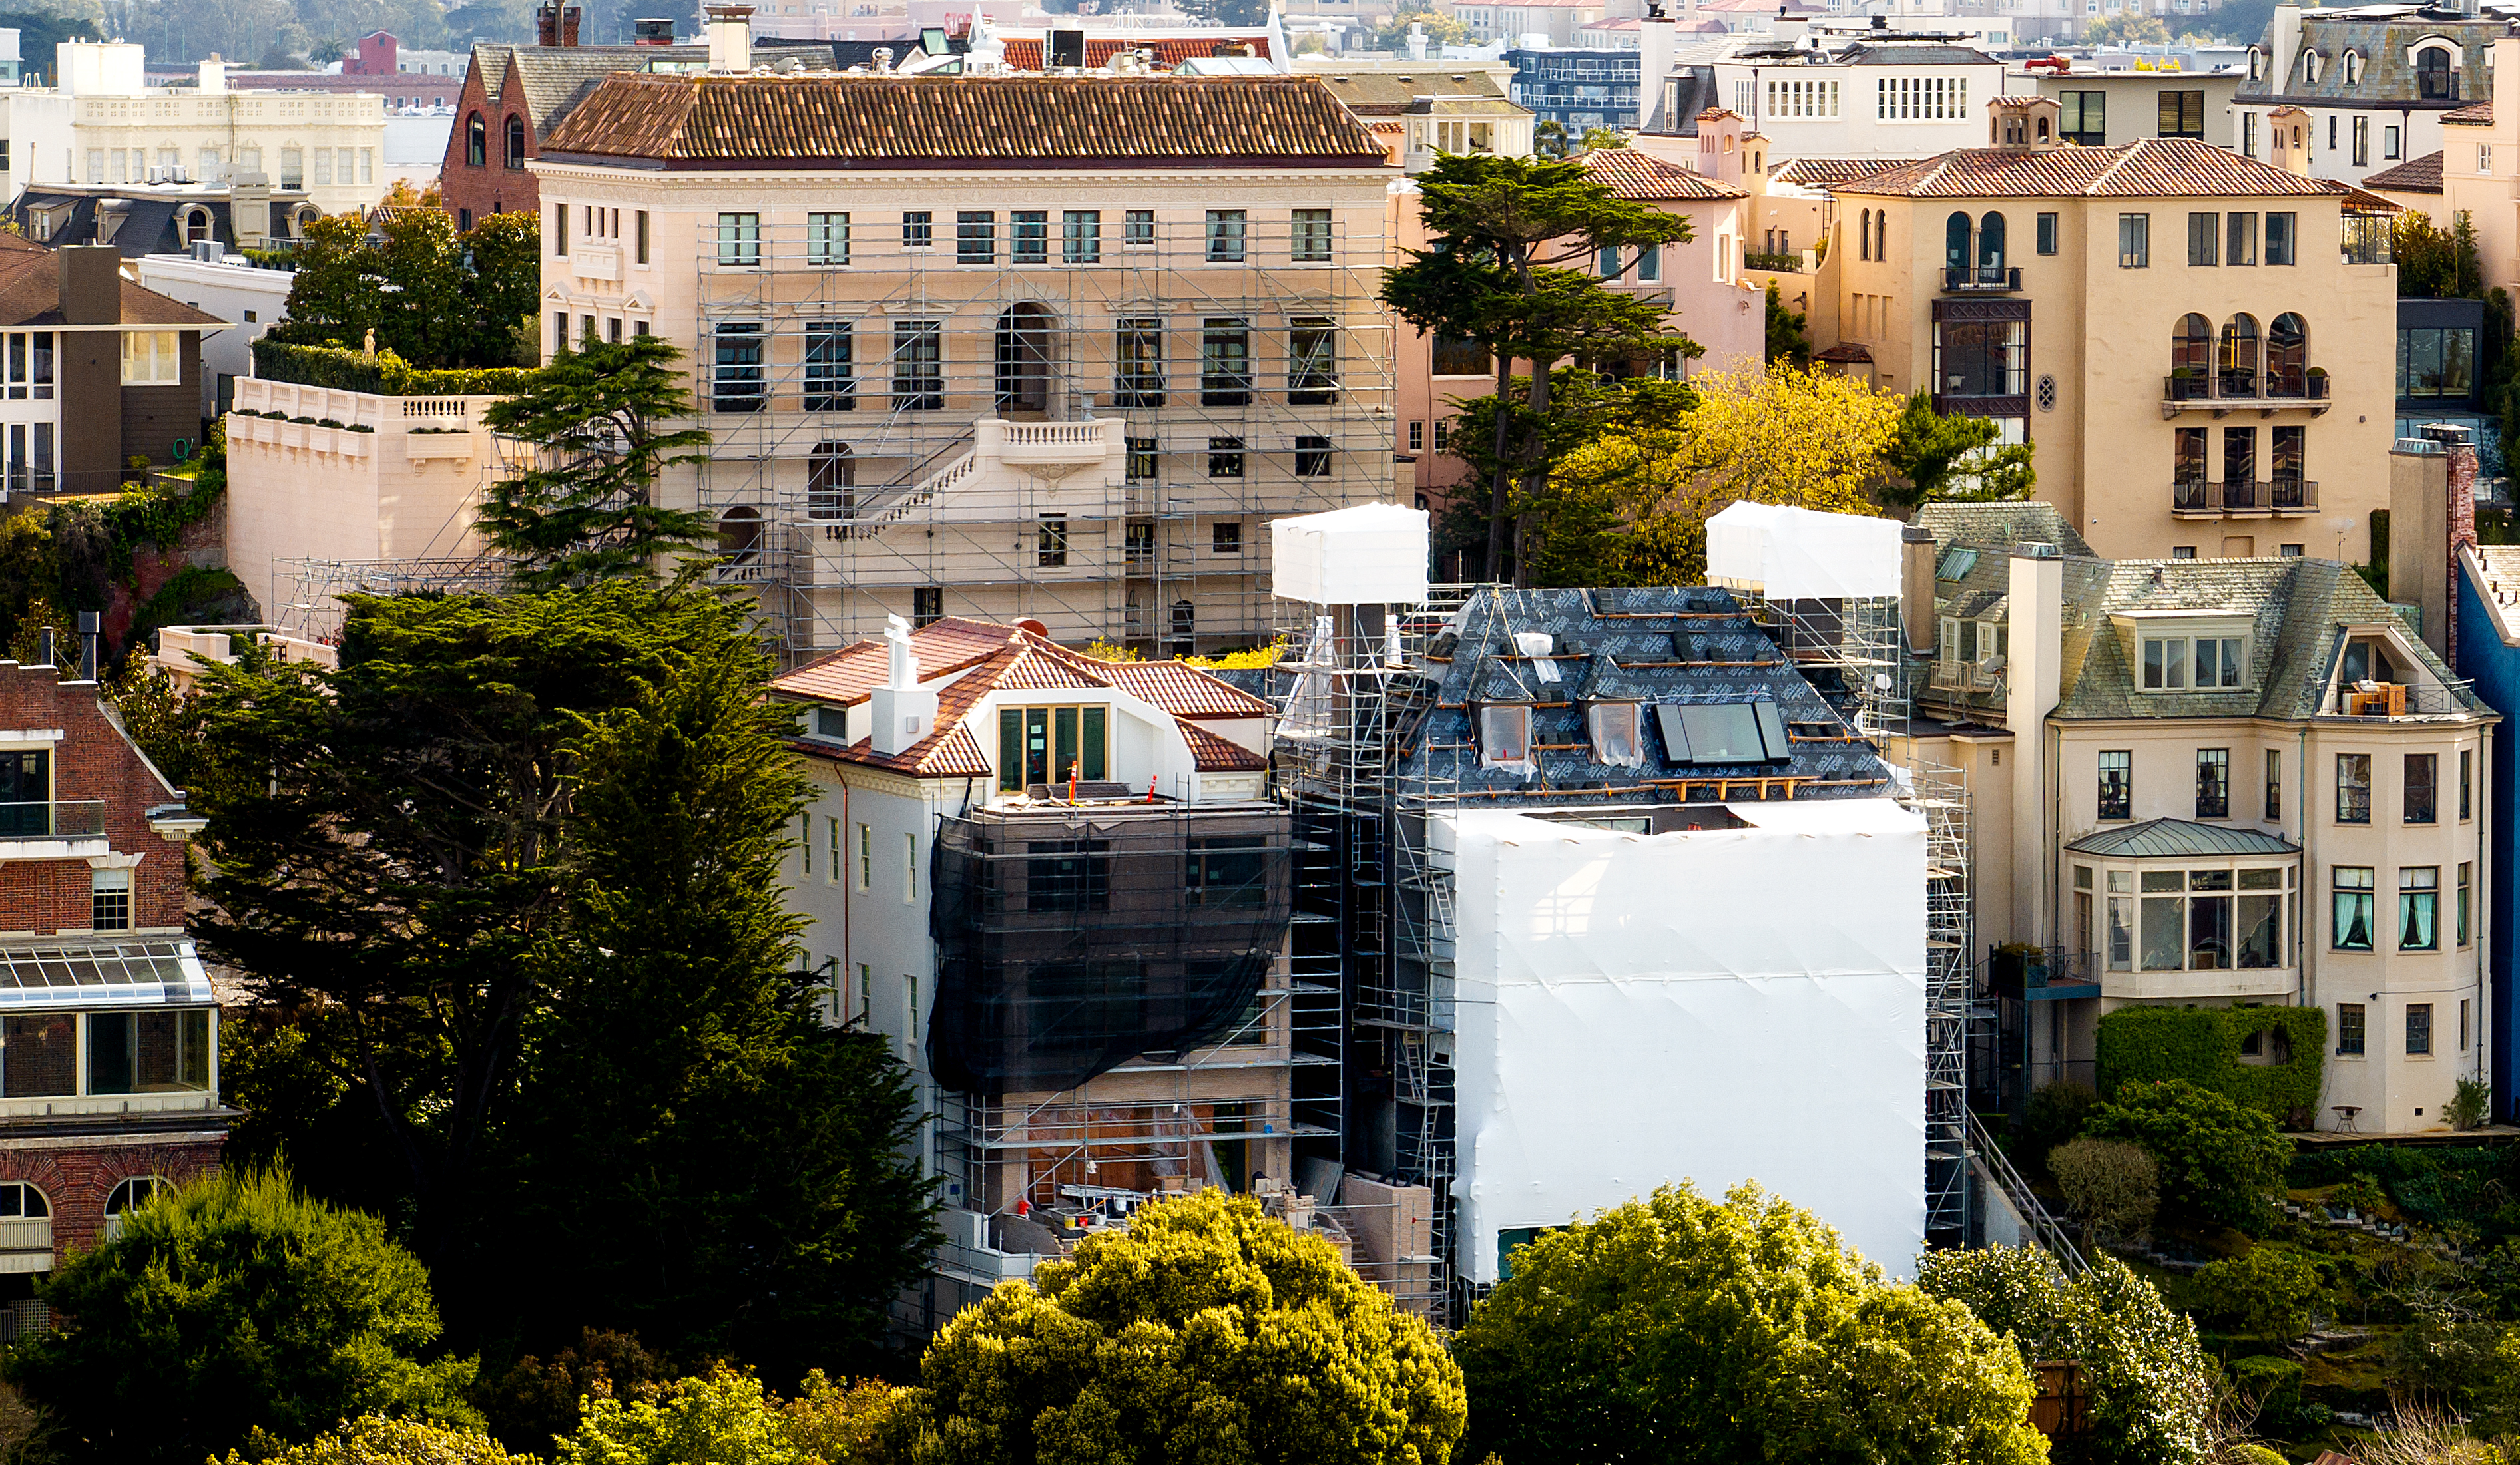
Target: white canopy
x,y
1803,554
1369,554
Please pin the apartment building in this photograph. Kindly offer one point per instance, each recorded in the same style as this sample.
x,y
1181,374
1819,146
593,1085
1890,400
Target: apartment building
x,y
104,125
2361,89
1518,21
2196,345
97,371
1010,346
1421,111
2473,171
110,1089
406,79
1844,92
1580,91
2213,782
140,219
2107,109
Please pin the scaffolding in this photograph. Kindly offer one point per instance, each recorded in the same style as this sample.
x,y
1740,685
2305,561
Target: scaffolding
x,y
848,377
314,606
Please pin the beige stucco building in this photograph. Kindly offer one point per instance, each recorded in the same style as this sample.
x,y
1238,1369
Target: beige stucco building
x,y
1005,345
2199,346
2213,783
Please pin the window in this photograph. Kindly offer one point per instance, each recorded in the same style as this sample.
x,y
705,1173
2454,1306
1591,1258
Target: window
x,y
2419,1029
2436,363
19,1199
2134,241
2248,134
836,850
2181,113
830,482
1920,99
2352,788
1226,538
152,358
2464,872
643,236
1068,876
1461,356
1312,456
2349,1030
1138,351
1225,363
865,858
909,1016
1229,870
1981,358
735,380
2418,907
1052,546
919,230
2240,239
1312,362
2213,782
1080,236
2389,150
1143,457
1225,231
1649,260
1417,436
2290,552
2466,771
2462,1025
827,238
2362,141
110,899
38,1055
476,141
910,868
806,836
1224,457
516,158
2204,229
2280,238
2181,663
976,236
831,369
2421,776
918,365
148,1052
2046,233
2350,909
1505,736
1028,236
1311,244
2274,785
1137,228
134,1193
1802,99
738,240
1046,744
2084,118
1443,434
2117,784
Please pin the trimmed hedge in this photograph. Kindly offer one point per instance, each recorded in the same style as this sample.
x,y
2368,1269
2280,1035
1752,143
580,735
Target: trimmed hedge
x,y
383,374
2202,1046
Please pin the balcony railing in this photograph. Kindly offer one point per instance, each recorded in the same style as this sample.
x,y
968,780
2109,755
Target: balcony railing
x,y
2273,496
1973,278
59,818
2223,391
1783,264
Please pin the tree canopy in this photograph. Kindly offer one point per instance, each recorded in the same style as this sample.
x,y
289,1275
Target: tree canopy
x,y
1206,1331
430,295
1683,1329
2220,1161
1936,458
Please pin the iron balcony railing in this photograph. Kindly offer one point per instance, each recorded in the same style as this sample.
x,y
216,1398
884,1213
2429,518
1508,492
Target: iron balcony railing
x,y
59,819
2275,496
2256,388
1973,278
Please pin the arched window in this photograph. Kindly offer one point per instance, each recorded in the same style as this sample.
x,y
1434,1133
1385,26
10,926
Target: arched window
x,y
476,141
1990,247
2352,69
2257,62
2309,66
2043,128
739,535
19,1201
197,226
2240,356
830,482
2436,78
2191,358
134,1193
1955,241
2288,357
516,141
1863,236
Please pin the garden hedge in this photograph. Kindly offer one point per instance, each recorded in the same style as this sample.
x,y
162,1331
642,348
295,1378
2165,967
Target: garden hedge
x,y
2202,1046
385,374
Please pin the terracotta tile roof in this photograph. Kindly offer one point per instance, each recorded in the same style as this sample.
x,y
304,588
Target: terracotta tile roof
x,y
847,675
2152,167
1169,50
1632,175
2422,175
1184,690
1034,669
1216,755
1822,172
2474,113
1037,122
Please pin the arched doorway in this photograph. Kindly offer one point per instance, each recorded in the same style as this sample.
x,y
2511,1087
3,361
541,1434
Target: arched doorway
x,y
1024,361
739,535
830,482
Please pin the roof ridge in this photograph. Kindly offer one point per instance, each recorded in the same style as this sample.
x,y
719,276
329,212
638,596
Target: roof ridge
x,y
2125,156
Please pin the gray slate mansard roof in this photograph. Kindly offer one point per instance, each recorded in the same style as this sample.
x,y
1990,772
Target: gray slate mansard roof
x,y
2180,838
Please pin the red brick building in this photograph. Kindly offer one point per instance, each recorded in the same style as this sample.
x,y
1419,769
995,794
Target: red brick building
x,y
376,67
109,1033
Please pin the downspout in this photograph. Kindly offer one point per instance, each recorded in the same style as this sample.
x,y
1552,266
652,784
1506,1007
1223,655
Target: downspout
x,y
848,889
2308,865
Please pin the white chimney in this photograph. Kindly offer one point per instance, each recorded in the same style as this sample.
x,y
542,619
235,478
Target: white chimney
x,y
2033,682
904,711
214,76
1657,43
1416,41
884,60
730,38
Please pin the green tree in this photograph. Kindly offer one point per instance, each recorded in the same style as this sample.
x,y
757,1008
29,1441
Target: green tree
x,y
232,1306
2151,1383
1785,339
1504,231
725,1419
705,1162
1938,458
1441,30
504,255
599,420
1206,1331
2436,263
376,1439
2220,1161
1682,1329
2129,28
2265,1290
429,294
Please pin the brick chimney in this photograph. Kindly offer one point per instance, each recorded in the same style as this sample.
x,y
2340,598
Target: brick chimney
x,y
568,20
547,24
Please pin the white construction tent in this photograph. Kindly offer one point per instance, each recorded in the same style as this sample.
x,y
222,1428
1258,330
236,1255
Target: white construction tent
x,y
1709,1004
1782,552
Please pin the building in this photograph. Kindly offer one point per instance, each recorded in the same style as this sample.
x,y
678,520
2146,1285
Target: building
x,y
408,80
2161,301
1579,90
1529,22
112,1086
141,220
103,125
2362,89
2207,783
1421,111
1056,884
79,333
1071,342
2473,173
1700,278
1846,92
2107,109
2441,380
249,298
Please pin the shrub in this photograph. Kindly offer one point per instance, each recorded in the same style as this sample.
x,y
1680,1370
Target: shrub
x,y
2220,1161
537,1398
2113,1185
2359,1191
2055,1114
2247,1453
373,1439
2267,1290
384,374
2273,1385
2469,1106
725,1418
2201,1046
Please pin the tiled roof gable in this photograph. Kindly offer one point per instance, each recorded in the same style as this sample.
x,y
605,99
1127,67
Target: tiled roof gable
x,y
1634,175
2152,167
2422,175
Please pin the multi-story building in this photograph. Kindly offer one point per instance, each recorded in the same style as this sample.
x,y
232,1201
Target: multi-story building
x,y
1579,90
2164,301
1843,92
406,79
77,332
2105,109
2207,783
1516,21
109,1084
1421,111
104,125
2474,171
2357,90
249,298
1013,346
140,219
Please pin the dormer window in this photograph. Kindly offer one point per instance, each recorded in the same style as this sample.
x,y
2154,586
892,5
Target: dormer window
x,y
2366,660
830,723
1052,744
1505,736
2197,663
2256,62
1612,728
2352,69
2310,62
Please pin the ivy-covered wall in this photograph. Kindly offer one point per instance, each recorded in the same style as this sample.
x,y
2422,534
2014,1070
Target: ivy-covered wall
x,y
2202,1044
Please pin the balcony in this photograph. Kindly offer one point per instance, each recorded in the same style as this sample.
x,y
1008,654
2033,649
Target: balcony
x,y
62,822
1981,280
2198,499
2224,392
1049,448
2393,699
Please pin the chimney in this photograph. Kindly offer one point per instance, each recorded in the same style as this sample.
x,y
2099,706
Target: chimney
x,y
547,24
568,19
1917,586
250,209
730,38
654,32
215,77
884,60
1657,42
2420,550
1416,41
904,712
91,628
91,283
46,652
2035,602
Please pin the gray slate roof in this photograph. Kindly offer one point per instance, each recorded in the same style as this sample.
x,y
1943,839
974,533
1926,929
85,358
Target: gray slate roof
x,y
2383,41
2180,838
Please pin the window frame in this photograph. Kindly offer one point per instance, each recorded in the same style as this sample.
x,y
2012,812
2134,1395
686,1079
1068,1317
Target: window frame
x,y
2352,788
2352,900
2115,784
